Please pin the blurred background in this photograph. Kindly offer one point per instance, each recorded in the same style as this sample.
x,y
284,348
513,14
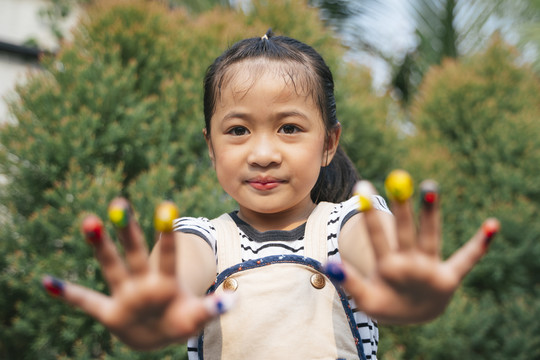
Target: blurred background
x,y
101,98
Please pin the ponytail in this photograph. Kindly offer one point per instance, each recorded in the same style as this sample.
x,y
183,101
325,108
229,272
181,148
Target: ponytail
x,y
336,181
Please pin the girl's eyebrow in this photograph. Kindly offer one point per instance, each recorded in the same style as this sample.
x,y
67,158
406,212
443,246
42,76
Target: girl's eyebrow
x,y
292,113
235,115
279,115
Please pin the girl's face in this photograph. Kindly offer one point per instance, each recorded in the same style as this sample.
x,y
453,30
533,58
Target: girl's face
x,y
268,143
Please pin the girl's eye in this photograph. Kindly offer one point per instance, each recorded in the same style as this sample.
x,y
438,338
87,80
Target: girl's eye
x,y
289,129
238,131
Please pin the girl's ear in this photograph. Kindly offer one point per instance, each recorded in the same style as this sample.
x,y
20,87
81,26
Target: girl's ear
x,y
332,142
210,147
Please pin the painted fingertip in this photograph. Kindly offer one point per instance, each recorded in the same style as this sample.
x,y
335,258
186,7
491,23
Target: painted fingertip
x,y
92,228
335,272
364,190
119,213
220,304
490,227
164,216
399,185
429,193
53,286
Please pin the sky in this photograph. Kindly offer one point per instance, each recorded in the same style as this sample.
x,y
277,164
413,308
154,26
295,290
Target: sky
x,y
392,31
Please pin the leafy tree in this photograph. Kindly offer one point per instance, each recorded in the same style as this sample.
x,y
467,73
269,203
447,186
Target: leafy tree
x,y
477,134
118,111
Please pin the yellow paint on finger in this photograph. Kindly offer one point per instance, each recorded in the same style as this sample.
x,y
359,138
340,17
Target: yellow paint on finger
x,y
164,216
364,191
118,215
399,185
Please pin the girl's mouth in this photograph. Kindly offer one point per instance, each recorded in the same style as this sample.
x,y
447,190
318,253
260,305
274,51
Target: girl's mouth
x,y
264,184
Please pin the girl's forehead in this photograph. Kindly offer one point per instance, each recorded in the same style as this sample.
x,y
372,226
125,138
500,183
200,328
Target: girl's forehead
x,y
242,76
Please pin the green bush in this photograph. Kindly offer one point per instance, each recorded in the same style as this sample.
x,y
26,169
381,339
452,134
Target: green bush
x,y
477,133
118,111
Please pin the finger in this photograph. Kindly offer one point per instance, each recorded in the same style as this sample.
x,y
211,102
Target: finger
x,y
130,234
164,216
364,190
353,282
191,315
92,302
399,188
112,265
429,236
463,260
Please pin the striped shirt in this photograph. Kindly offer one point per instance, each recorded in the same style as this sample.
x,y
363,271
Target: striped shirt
x,y
257,244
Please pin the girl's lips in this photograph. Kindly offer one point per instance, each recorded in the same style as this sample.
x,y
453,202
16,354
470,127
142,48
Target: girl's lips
x,y
264,183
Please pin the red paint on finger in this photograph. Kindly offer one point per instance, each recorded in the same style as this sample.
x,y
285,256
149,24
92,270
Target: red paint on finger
x,y
430,197
490,228
429,193
92,228
53,286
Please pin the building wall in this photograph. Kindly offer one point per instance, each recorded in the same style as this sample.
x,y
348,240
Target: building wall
x,y
19,22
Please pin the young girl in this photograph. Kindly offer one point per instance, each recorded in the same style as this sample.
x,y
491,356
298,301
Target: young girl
x,y
273,138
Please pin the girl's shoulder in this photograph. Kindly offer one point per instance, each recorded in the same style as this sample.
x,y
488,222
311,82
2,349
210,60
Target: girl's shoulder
x,y
200,226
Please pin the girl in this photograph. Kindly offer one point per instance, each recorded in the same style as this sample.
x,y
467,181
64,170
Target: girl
x,y
273,138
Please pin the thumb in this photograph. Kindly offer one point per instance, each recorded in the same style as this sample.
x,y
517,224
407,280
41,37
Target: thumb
x,y
212,306
217,304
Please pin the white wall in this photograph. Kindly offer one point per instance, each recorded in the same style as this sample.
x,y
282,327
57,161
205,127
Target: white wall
x,y
20,21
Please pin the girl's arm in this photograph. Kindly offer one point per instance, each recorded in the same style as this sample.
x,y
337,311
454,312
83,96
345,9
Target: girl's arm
x,y
154,301
394,271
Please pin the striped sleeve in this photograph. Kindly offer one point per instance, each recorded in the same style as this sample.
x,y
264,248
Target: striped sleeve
x,y
200,226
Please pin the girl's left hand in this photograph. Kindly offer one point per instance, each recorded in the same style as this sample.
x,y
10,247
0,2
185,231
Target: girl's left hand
x,y
411,283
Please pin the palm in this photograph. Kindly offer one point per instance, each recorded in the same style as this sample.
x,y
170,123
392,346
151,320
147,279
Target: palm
x,y
410,283
411,286
147,308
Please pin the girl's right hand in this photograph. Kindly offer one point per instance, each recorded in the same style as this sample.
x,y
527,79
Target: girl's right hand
x,y
148,307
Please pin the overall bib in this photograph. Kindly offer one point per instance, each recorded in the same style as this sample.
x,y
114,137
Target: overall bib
x,y
286,307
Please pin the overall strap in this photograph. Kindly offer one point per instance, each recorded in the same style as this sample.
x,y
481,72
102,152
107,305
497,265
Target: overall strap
x,y
315,239
229,248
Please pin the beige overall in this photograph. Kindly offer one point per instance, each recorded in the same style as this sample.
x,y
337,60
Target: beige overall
x,y
286,308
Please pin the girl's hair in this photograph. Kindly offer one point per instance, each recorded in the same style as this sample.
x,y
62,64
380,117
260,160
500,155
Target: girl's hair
x,y
336,180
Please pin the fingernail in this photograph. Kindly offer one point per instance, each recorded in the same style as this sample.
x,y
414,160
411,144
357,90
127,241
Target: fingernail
x,y
490,228
92,228
53,286
335,272
363,189
119,213
220,304
164,216
399,185
429,193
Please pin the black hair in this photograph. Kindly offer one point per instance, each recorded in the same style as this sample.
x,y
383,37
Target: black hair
x,y
336,180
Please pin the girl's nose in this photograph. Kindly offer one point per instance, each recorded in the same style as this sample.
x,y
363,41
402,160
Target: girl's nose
x,y
264,152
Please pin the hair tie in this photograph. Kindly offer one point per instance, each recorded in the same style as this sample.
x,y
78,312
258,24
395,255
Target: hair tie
x,y
268,35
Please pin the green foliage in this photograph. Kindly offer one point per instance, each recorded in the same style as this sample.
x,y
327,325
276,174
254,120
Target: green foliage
x,y
119,112
478,135
370,134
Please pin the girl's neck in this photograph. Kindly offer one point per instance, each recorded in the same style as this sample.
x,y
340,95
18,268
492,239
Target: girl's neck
x,y
284,220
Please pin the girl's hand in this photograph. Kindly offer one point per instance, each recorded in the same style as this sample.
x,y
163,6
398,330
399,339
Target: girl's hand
x,y
410,283
148,307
